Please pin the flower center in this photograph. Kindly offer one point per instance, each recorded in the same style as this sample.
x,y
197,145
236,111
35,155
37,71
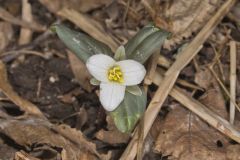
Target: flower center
x,y
115,74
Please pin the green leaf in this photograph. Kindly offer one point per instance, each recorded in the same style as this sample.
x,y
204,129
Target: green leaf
x,y
81,44
133,43
145,43
135,90
129,111
94,82
120,54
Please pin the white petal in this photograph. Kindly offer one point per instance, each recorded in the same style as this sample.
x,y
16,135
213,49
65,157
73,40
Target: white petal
x,y
133,72
98,66
111,95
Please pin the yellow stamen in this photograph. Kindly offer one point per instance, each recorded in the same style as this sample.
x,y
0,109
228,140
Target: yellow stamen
x,y
115,74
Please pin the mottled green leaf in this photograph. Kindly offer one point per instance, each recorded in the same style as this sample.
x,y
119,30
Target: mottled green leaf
x,y
129,111
81,44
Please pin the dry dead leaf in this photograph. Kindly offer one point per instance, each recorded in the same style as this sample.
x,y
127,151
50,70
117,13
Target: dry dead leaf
x,y
21,155
213,97
185,137
76,136
80,5
7,89
82,118
31,130
185,17
204,78
80,72
70,96
6,34
112,135
233,152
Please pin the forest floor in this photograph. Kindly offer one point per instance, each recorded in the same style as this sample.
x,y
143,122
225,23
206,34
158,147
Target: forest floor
x,y
49,111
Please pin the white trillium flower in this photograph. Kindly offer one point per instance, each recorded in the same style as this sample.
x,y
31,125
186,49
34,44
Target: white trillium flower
x,y
114,76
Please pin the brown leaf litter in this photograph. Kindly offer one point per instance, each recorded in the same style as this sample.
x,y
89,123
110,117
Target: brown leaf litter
x,y
184,17
79,5
191,138
112,135
30,130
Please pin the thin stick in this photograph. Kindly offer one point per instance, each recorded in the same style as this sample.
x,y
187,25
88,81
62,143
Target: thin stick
x,y
233,78
25,33
223,87
22,52
5,15
148,8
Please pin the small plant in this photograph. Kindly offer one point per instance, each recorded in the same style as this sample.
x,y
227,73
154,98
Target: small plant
x,y
117,74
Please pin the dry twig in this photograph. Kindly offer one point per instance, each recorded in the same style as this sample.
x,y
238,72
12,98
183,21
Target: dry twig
x,y
5,15
25,33
233,78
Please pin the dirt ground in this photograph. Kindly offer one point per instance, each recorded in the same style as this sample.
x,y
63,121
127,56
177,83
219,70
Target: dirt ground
x,y
193,121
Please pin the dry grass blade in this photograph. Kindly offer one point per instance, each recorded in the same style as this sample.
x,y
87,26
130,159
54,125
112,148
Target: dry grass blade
x,y
202,111
223,87
7,89
21,155
233,78
88,25
25,33
5,15
201,37
25,52
163,61
151,68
